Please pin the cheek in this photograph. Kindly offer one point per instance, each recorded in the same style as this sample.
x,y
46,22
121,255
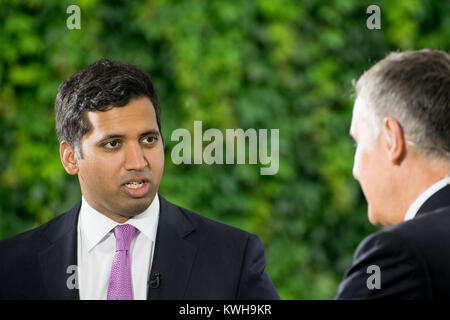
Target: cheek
x,y
156,160
99,171
363,170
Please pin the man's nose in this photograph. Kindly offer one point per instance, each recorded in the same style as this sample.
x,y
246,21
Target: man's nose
x,y
355,175
135,157
355,170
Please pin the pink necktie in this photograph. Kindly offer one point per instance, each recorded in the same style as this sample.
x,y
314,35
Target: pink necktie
x,y
119,287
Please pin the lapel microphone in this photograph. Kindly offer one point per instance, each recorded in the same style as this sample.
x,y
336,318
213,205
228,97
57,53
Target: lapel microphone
x,y
154,281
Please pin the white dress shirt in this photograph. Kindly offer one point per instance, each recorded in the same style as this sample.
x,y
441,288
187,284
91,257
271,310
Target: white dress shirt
x,y
424,196
96,249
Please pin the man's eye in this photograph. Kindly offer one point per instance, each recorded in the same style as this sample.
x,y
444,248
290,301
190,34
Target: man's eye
x,y
112,144
149,140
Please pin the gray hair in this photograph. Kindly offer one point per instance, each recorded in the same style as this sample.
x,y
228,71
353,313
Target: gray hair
x,y
414,88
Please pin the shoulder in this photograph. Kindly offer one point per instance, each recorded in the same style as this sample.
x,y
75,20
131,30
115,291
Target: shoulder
x,y
206,225
390,240
426,230
31,241
420,231
210,234
403,253
385,266
233,256
27,239
21,258
387,249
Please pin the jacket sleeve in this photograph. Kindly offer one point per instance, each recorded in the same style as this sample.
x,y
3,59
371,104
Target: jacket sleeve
x,y
386,266
254,282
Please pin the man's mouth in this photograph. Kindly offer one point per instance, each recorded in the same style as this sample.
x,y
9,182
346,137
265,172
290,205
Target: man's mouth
x,y
137,189
135,184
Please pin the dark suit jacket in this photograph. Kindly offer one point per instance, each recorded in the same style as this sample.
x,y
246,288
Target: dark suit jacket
x,y
413,257
196,258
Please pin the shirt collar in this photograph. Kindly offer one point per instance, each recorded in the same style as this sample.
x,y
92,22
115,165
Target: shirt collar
x,y
424,196
95,225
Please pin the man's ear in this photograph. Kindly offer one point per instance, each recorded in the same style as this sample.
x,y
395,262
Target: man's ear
x,y
394,140
68,158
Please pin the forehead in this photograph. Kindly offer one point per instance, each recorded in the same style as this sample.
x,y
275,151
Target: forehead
x,y
357,115
360,115
136,116
364,124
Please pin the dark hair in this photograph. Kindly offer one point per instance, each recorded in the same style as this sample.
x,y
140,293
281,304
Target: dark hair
x,y
414,88
103,85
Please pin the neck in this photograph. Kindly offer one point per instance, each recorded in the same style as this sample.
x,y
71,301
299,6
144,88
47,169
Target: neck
x,y
415,180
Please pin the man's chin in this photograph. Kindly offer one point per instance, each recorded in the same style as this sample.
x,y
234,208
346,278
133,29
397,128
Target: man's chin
x,y
373,217
127,206
135,206
379,220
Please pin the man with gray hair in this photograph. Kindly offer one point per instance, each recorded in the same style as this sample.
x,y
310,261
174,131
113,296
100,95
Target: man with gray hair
x,y
401,126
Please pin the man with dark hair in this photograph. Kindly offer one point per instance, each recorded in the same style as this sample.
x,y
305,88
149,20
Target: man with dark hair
x,y
401,125
123,240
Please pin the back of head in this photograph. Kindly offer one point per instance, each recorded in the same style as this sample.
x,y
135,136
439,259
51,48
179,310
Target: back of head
x,y
414,88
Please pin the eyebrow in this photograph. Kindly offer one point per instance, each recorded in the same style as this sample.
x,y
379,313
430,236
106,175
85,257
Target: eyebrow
x,y
121,136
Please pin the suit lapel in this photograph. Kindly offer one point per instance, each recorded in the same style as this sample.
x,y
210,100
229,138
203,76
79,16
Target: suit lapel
x,y
57,258
174,253
438,200
173,258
